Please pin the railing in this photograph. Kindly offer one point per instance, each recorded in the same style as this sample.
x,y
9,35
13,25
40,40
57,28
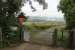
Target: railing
x,y
58,40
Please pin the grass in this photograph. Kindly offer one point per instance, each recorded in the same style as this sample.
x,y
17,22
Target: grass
x,y
43,25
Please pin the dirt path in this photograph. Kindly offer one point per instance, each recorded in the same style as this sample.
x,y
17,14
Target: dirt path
x,y
27,46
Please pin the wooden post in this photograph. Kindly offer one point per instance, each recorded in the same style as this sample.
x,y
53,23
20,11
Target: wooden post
x,y
1,39
55,37
74,38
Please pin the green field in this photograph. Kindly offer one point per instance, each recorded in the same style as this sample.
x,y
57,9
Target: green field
x,y
43,25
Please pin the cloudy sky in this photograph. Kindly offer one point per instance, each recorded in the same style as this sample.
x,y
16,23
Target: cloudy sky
x,y
50,12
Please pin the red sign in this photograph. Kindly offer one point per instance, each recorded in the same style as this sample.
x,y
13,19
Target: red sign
x,y
21,19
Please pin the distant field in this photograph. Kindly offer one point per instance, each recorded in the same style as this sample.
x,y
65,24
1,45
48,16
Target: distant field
x,y
43,25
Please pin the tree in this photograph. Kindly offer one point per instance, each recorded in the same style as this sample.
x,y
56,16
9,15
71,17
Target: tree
x,y
8,11
68,8
9,8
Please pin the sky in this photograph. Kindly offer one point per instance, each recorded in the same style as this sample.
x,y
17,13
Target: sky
x,y
51,11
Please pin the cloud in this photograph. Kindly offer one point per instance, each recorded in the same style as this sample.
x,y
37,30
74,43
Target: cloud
x,y
51,11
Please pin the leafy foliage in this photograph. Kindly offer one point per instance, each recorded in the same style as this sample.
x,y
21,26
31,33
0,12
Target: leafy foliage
x,y
41,2
68,8
8,11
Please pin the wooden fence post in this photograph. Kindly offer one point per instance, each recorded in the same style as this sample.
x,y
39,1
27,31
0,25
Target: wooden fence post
x,y
1,38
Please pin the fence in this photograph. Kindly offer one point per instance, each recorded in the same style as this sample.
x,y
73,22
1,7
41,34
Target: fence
x,y
56,38
48,37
